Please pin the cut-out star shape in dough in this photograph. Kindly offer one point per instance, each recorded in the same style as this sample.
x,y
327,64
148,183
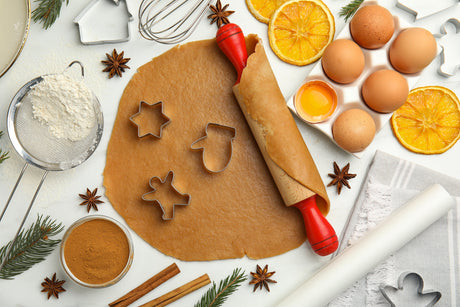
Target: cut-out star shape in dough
x,y
150,120
166,195
422,9
410,292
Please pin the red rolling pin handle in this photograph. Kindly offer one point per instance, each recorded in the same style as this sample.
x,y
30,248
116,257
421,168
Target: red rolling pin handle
x,y
230,39
320,233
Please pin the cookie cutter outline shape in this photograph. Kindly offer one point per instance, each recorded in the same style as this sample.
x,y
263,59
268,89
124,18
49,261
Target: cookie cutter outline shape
x,y
420,10
229,128
442,68
90,8
170,173
420,291
168,120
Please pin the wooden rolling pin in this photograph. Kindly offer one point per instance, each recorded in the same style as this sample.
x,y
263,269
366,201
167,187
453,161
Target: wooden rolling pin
x,y
320,233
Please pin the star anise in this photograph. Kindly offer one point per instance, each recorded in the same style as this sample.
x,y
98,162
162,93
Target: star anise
x,y
53,286
116,63
261,277
91,200
219,14
341,177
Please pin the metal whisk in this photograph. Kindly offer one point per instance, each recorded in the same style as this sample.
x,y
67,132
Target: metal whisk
x,y
170,21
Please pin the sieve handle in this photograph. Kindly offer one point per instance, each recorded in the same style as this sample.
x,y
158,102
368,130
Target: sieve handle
x,y
14,189
81,66
7,253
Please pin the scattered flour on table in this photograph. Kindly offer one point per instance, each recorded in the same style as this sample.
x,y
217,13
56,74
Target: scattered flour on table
x,y
65,105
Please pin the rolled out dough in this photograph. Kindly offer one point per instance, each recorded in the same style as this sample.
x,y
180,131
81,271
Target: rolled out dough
x,y
231,214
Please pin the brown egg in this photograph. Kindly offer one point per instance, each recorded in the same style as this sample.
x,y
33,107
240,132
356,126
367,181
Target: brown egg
x,y
343,61
354,130
385,90
372,26
412,50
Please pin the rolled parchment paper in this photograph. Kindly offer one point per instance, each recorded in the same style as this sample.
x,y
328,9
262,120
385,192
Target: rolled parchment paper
x,y
276,132
399,228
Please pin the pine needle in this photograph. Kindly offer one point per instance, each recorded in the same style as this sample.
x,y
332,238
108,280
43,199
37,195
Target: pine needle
x,y
350,9
47,11
216,297
4,155
30,247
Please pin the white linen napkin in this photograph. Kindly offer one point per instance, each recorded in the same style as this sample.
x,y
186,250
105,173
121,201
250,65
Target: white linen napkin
x,y
434,254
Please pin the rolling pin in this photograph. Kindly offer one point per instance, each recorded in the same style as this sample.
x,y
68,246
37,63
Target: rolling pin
x,y
320,233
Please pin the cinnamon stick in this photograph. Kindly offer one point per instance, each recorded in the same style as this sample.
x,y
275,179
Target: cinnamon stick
x,y
179,292
146,287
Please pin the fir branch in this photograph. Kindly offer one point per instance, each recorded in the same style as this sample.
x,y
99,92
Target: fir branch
x,y
216,297
47,11
4,155
350,9
30,247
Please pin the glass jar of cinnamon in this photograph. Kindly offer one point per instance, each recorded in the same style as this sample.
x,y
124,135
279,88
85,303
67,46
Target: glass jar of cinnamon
x,y
96,251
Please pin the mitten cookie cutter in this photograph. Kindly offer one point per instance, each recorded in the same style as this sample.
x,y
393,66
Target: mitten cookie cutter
x,y
386,290
87,39
166,122
169,177
194,146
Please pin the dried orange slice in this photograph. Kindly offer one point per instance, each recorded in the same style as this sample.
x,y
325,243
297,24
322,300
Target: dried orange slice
x,y
262,10
429,120
300,30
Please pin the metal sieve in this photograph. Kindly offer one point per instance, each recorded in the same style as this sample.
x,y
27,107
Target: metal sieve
x,y
35,144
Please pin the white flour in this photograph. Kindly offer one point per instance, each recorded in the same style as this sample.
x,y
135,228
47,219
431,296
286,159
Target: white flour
x,y
64,105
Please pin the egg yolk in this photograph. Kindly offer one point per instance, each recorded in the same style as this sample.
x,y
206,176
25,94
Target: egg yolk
x,y
315,101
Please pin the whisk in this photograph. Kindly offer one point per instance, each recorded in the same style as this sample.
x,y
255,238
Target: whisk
x,y
170,21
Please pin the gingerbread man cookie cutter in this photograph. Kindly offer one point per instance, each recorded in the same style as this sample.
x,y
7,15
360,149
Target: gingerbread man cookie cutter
x,y
169,180
430,297
449,40
166,120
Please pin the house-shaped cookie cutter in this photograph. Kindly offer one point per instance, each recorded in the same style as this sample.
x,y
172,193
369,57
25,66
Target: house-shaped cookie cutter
x,y
91,12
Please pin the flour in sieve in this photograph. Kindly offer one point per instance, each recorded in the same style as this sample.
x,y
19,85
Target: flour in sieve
x,y
64,105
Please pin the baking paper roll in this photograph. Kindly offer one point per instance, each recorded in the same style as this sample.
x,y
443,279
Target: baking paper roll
x,y
276,132
357,260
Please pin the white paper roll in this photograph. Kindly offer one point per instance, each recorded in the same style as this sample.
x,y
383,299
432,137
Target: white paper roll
x,y
356,261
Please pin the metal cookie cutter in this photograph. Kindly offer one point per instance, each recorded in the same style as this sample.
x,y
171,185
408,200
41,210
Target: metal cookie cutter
x,y
154,182
449,39
196,146
90,21
429,297
166,119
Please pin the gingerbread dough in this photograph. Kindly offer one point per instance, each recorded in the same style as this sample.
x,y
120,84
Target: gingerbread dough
x,y
236,212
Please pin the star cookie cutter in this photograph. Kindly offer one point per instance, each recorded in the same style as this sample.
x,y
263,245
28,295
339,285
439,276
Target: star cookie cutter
x,y
449,40
169,180
389,291
166,119
90,18
208,155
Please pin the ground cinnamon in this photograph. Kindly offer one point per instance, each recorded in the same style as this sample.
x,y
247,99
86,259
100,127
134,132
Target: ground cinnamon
x,y
96,251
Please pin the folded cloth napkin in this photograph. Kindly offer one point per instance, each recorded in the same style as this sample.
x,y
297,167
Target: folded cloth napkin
x,y
434,254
